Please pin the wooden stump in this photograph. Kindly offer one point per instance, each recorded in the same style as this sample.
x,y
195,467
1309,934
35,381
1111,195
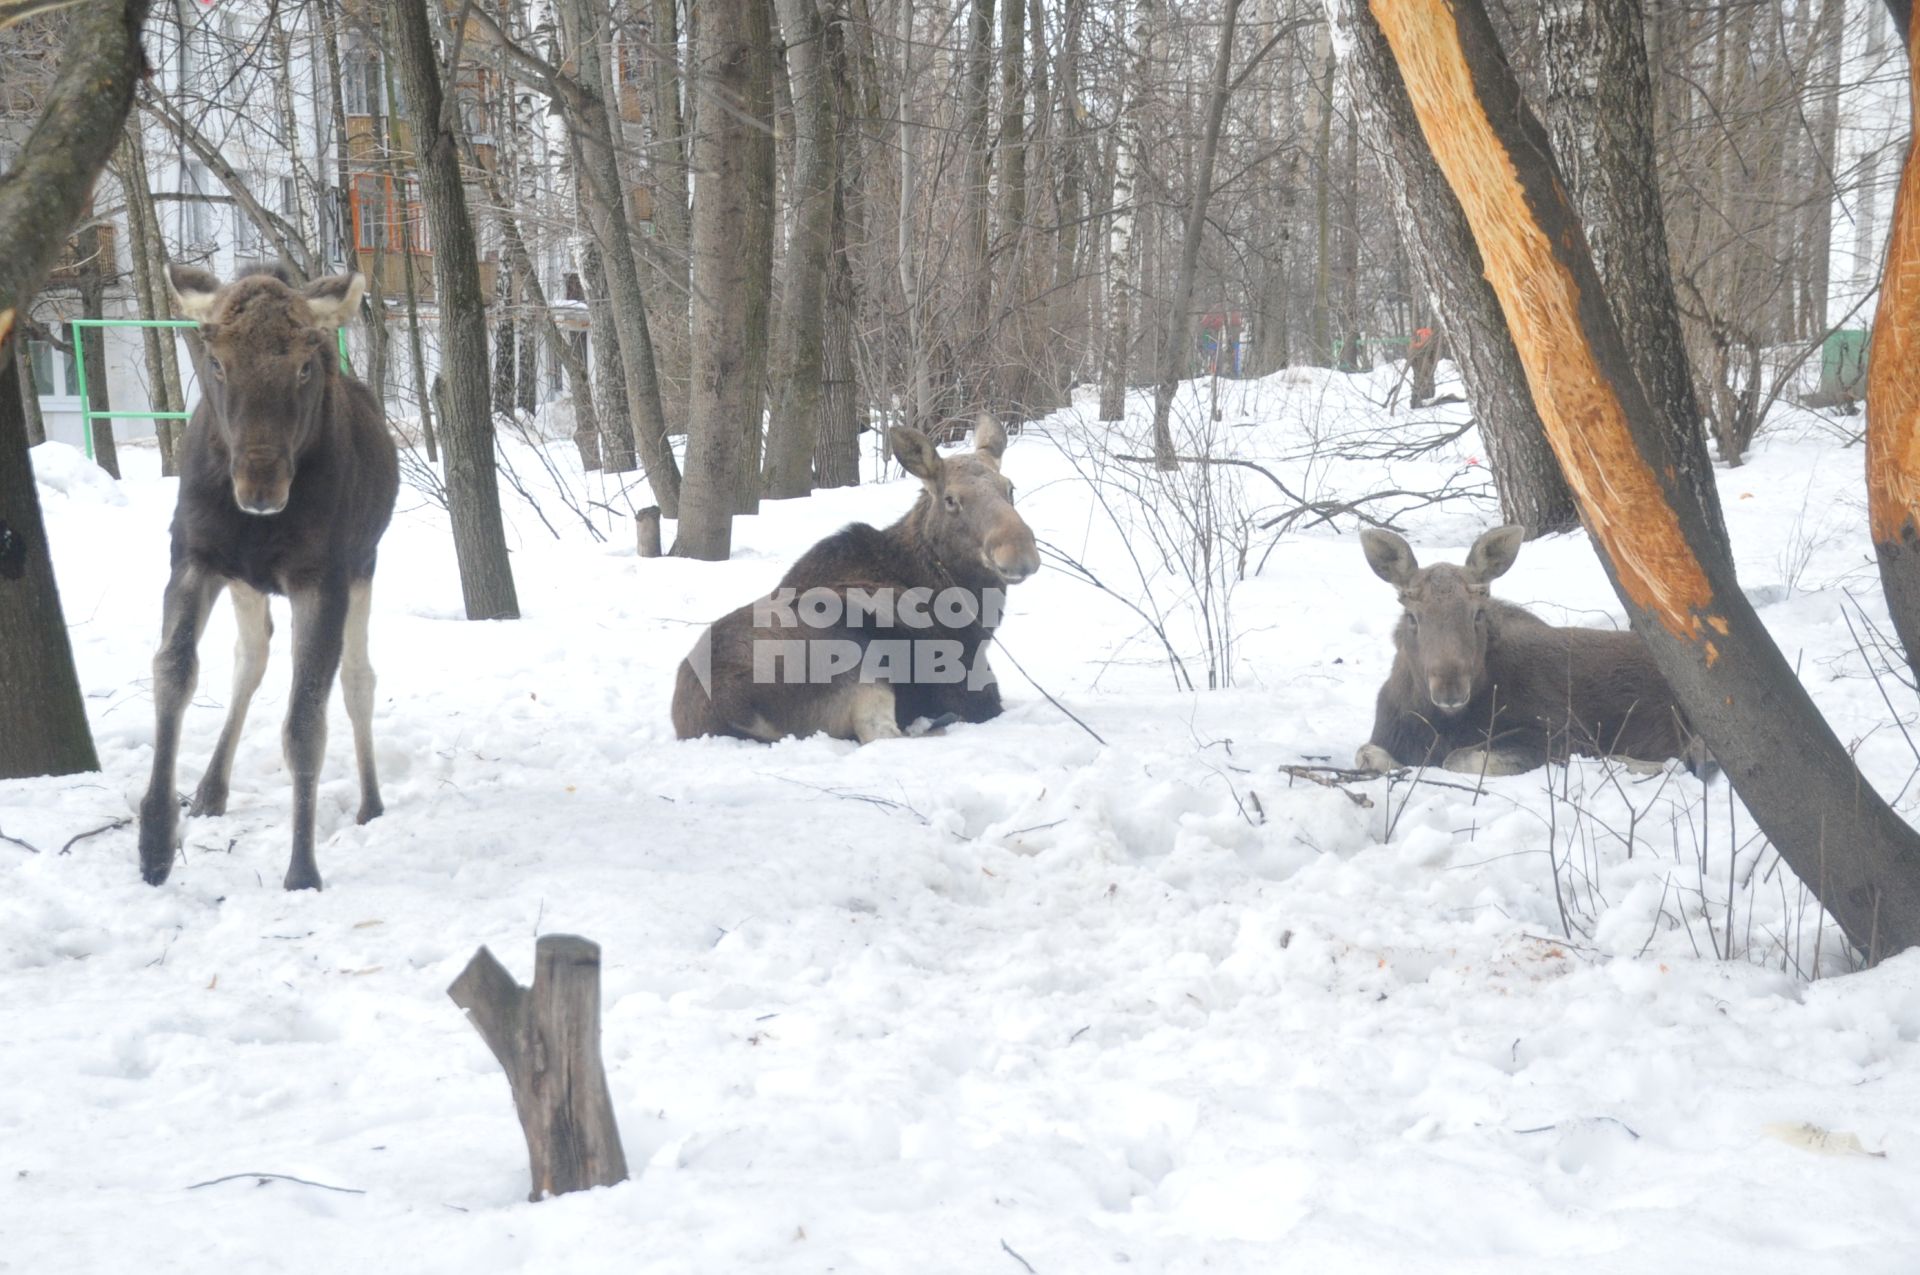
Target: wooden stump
x,y
646,527
547,1038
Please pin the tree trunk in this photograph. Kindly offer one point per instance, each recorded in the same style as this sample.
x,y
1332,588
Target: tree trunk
x,y
794,431
590,132
1180,318
1532,490
148,251
43,720
836,456
506,354
1122,279
473,491
1893,393
32,422
609,383
92,345
1319,332
669,156
1840,837
976,155
732,230
1599,113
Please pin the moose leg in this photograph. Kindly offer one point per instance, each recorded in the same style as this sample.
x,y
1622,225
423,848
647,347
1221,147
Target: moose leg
x,y
870,711
356,687
176,668
255,624
319,629
1503,759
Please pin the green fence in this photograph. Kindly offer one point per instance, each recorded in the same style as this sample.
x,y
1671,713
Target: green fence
x,y
88,416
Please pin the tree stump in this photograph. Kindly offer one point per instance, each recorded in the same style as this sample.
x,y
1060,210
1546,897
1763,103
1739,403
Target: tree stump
x,y
646,527
547,1039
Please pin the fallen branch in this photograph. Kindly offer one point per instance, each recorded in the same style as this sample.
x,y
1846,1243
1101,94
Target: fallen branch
x,y
277,1177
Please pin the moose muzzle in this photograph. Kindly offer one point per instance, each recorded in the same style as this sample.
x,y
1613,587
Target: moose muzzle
x,y
262,480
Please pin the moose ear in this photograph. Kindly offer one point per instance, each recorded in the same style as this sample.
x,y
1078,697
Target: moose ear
x,y
193,291
1493,553
989,439
334,301
915,452
1390,557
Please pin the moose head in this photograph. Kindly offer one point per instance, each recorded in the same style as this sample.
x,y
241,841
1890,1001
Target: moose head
x,y
1444,630
265,364
968,514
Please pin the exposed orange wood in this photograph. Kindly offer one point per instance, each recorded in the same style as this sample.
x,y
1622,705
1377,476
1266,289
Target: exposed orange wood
x,y
1893,388
1620,495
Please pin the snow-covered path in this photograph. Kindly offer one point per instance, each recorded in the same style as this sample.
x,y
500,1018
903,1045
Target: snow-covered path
x,y
1151,1005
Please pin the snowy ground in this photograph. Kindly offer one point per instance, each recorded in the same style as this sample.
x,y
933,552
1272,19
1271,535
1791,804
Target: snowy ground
x,y
1151,1005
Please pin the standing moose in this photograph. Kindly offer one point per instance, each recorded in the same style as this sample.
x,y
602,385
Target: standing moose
x,y
287,481
872,630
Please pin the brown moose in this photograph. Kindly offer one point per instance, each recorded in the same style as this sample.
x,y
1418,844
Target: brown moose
x,y
1482,686
287,481
873,630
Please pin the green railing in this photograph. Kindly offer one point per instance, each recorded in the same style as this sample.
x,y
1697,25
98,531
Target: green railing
x,y
88,416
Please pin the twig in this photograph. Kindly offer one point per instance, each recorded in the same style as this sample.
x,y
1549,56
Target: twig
x,y
283,1177
1336,779
28,846
105,827
1050,699
1008,1249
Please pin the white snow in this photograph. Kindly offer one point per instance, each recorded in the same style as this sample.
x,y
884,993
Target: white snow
x,y
1149,1005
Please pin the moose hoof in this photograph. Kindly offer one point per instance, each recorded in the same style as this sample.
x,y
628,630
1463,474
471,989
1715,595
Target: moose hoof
x,y
159,837
301,877
208,800
1488,761
1375,758
370,809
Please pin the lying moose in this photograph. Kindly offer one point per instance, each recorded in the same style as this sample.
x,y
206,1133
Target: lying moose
x,y
872,630
287,481
1482,686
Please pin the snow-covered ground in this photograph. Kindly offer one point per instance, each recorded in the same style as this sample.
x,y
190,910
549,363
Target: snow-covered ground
x,y
1006,995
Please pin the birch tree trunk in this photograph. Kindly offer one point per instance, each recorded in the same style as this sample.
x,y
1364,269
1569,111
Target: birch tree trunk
x,y
1599,114
1122,282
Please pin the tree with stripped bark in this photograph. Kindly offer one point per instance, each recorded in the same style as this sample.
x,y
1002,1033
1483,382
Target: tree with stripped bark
x,y
43,719
1799,782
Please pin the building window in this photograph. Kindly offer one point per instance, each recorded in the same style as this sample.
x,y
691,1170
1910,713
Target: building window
x,y
363,86
372,213
54,374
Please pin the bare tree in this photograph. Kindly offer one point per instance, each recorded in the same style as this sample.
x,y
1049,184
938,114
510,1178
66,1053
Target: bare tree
x,y
473,491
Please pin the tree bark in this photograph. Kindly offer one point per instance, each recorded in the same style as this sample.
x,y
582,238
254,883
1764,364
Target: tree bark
x,y
151,295
609,383
794,430
732,232
1840,837
1599,115
31,420
95,250
1122,268
547,1040
1180,319
1893,394
473,490
1532,490
836,456
43,719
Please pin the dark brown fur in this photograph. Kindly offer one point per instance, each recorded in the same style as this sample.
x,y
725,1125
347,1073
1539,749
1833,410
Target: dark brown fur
x,y
1533,691
287,481
961,534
